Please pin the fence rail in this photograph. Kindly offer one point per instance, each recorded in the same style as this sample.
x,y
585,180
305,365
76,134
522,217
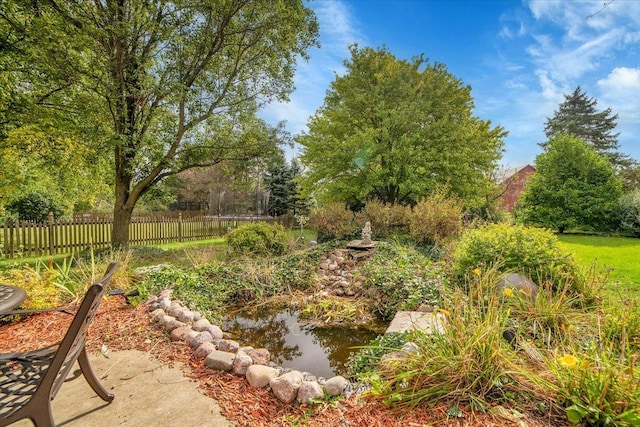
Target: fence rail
x,y
28,238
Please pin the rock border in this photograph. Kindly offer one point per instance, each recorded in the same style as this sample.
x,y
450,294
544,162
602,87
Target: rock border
x,y
208,343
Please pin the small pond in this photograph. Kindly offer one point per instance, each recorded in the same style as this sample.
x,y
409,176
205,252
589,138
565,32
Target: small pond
x,y
322,351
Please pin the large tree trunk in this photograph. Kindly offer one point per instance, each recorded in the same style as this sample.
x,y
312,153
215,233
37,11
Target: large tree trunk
x,y
121,222
124,203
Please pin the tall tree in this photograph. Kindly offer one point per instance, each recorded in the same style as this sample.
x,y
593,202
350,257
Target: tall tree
x,y
394,130
578,116
573,187
177,83
280,180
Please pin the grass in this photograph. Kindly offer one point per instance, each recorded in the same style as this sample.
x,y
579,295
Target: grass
x,y
620,255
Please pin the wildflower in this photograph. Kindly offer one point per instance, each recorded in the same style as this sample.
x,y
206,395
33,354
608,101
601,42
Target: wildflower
x,y
445,312
568,361
508,292
477,271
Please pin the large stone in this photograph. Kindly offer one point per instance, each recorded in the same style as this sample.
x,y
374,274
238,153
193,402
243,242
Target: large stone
x,y
259,375
220,360
180,334
174,324
285,387
335,386
228,345
520,284
157,314
187,316
260,356
199,338
165,320
241,363
202,325
309,391
405,321
215,332
204,350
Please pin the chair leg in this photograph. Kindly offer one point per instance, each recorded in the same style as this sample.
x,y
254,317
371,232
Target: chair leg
x,y
43,419
85,367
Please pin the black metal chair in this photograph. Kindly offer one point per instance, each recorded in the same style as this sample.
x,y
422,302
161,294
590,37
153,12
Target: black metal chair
x,y
29,381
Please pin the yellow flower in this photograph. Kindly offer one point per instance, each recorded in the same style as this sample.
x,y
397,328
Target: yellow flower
x,y
445,312
568,361
477,271
507,292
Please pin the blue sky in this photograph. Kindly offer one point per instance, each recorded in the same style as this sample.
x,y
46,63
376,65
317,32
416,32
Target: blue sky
x,y
519,57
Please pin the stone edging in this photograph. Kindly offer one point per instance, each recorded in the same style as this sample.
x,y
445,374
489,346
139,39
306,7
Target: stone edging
x,y
207,342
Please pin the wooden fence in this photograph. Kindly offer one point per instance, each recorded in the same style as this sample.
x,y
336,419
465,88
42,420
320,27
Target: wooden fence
x,y
28,238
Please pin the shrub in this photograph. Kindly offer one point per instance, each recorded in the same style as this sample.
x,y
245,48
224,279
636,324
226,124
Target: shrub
x,y
35,206
630,212
386,220
401,278
258,239
532,251
435,218
38,283
333,221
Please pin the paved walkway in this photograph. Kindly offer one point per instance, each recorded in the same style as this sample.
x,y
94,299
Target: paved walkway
x,y
147,393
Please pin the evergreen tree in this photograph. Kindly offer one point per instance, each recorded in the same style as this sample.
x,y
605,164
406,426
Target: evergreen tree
x,y
280,180
578,116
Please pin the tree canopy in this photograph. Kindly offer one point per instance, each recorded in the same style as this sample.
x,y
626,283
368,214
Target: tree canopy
x,y
165,85
394,130
578,116
573,187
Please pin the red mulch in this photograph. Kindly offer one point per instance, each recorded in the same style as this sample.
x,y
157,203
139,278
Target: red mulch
x,y
120,327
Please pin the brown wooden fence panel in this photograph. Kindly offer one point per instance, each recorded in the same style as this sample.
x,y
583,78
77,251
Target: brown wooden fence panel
x,y
28,238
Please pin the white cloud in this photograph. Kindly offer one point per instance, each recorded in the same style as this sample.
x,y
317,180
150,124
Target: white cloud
x,y
622,80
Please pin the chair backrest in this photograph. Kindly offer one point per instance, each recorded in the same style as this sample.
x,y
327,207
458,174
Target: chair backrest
x,y
74,340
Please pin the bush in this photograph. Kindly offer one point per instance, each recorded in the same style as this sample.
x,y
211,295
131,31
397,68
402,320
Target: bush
x,y
258,238
630,212
35,206
435,218
333,221
401,278
38,283
532,251
386,220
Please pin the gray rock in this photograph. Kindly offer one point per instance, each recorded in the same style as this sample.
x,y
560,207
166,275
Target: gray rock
x,y
336,385
199,338
260,356
174,324
166,319
204,350
180,333
230,346
245,348
518,283
308,391
165,302
220,360
175,311
429,323
285,387
201,325
241,363
410,347
186,316
157,314
259,375
215,332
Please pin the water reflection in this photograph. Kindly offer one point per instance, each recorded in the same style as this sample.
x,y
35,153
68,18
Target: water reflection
x,y
322,351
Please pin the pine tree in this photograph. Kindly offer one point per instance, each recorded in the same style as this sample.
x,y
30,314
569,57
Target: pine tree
x,y
578,116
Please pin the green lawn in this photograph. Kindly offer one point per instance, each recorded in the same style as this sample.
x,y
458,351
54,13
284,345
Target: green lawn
x,y
620,254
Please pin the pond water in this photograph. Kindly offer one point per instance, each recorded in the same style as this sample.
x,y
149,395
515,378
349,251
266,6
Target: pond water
x,y
322,351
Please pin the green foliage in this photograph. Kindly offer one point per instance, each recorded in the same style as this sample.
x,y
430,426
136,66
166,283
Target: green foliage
x,y
367,359
599,389
401,278
35,206
630,212
531,251
333,222
577,116
386,219
435,218
280,179
258,238
393,130
39,284
573,187
335,310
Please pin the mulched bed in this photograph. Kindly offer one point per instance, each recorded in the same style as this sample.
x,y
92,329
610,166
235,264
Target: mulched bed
x,y
121,327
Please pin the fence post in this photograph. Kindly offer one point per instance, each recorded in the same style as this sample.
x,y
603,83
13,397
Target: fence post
x,y
179,226
51,237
